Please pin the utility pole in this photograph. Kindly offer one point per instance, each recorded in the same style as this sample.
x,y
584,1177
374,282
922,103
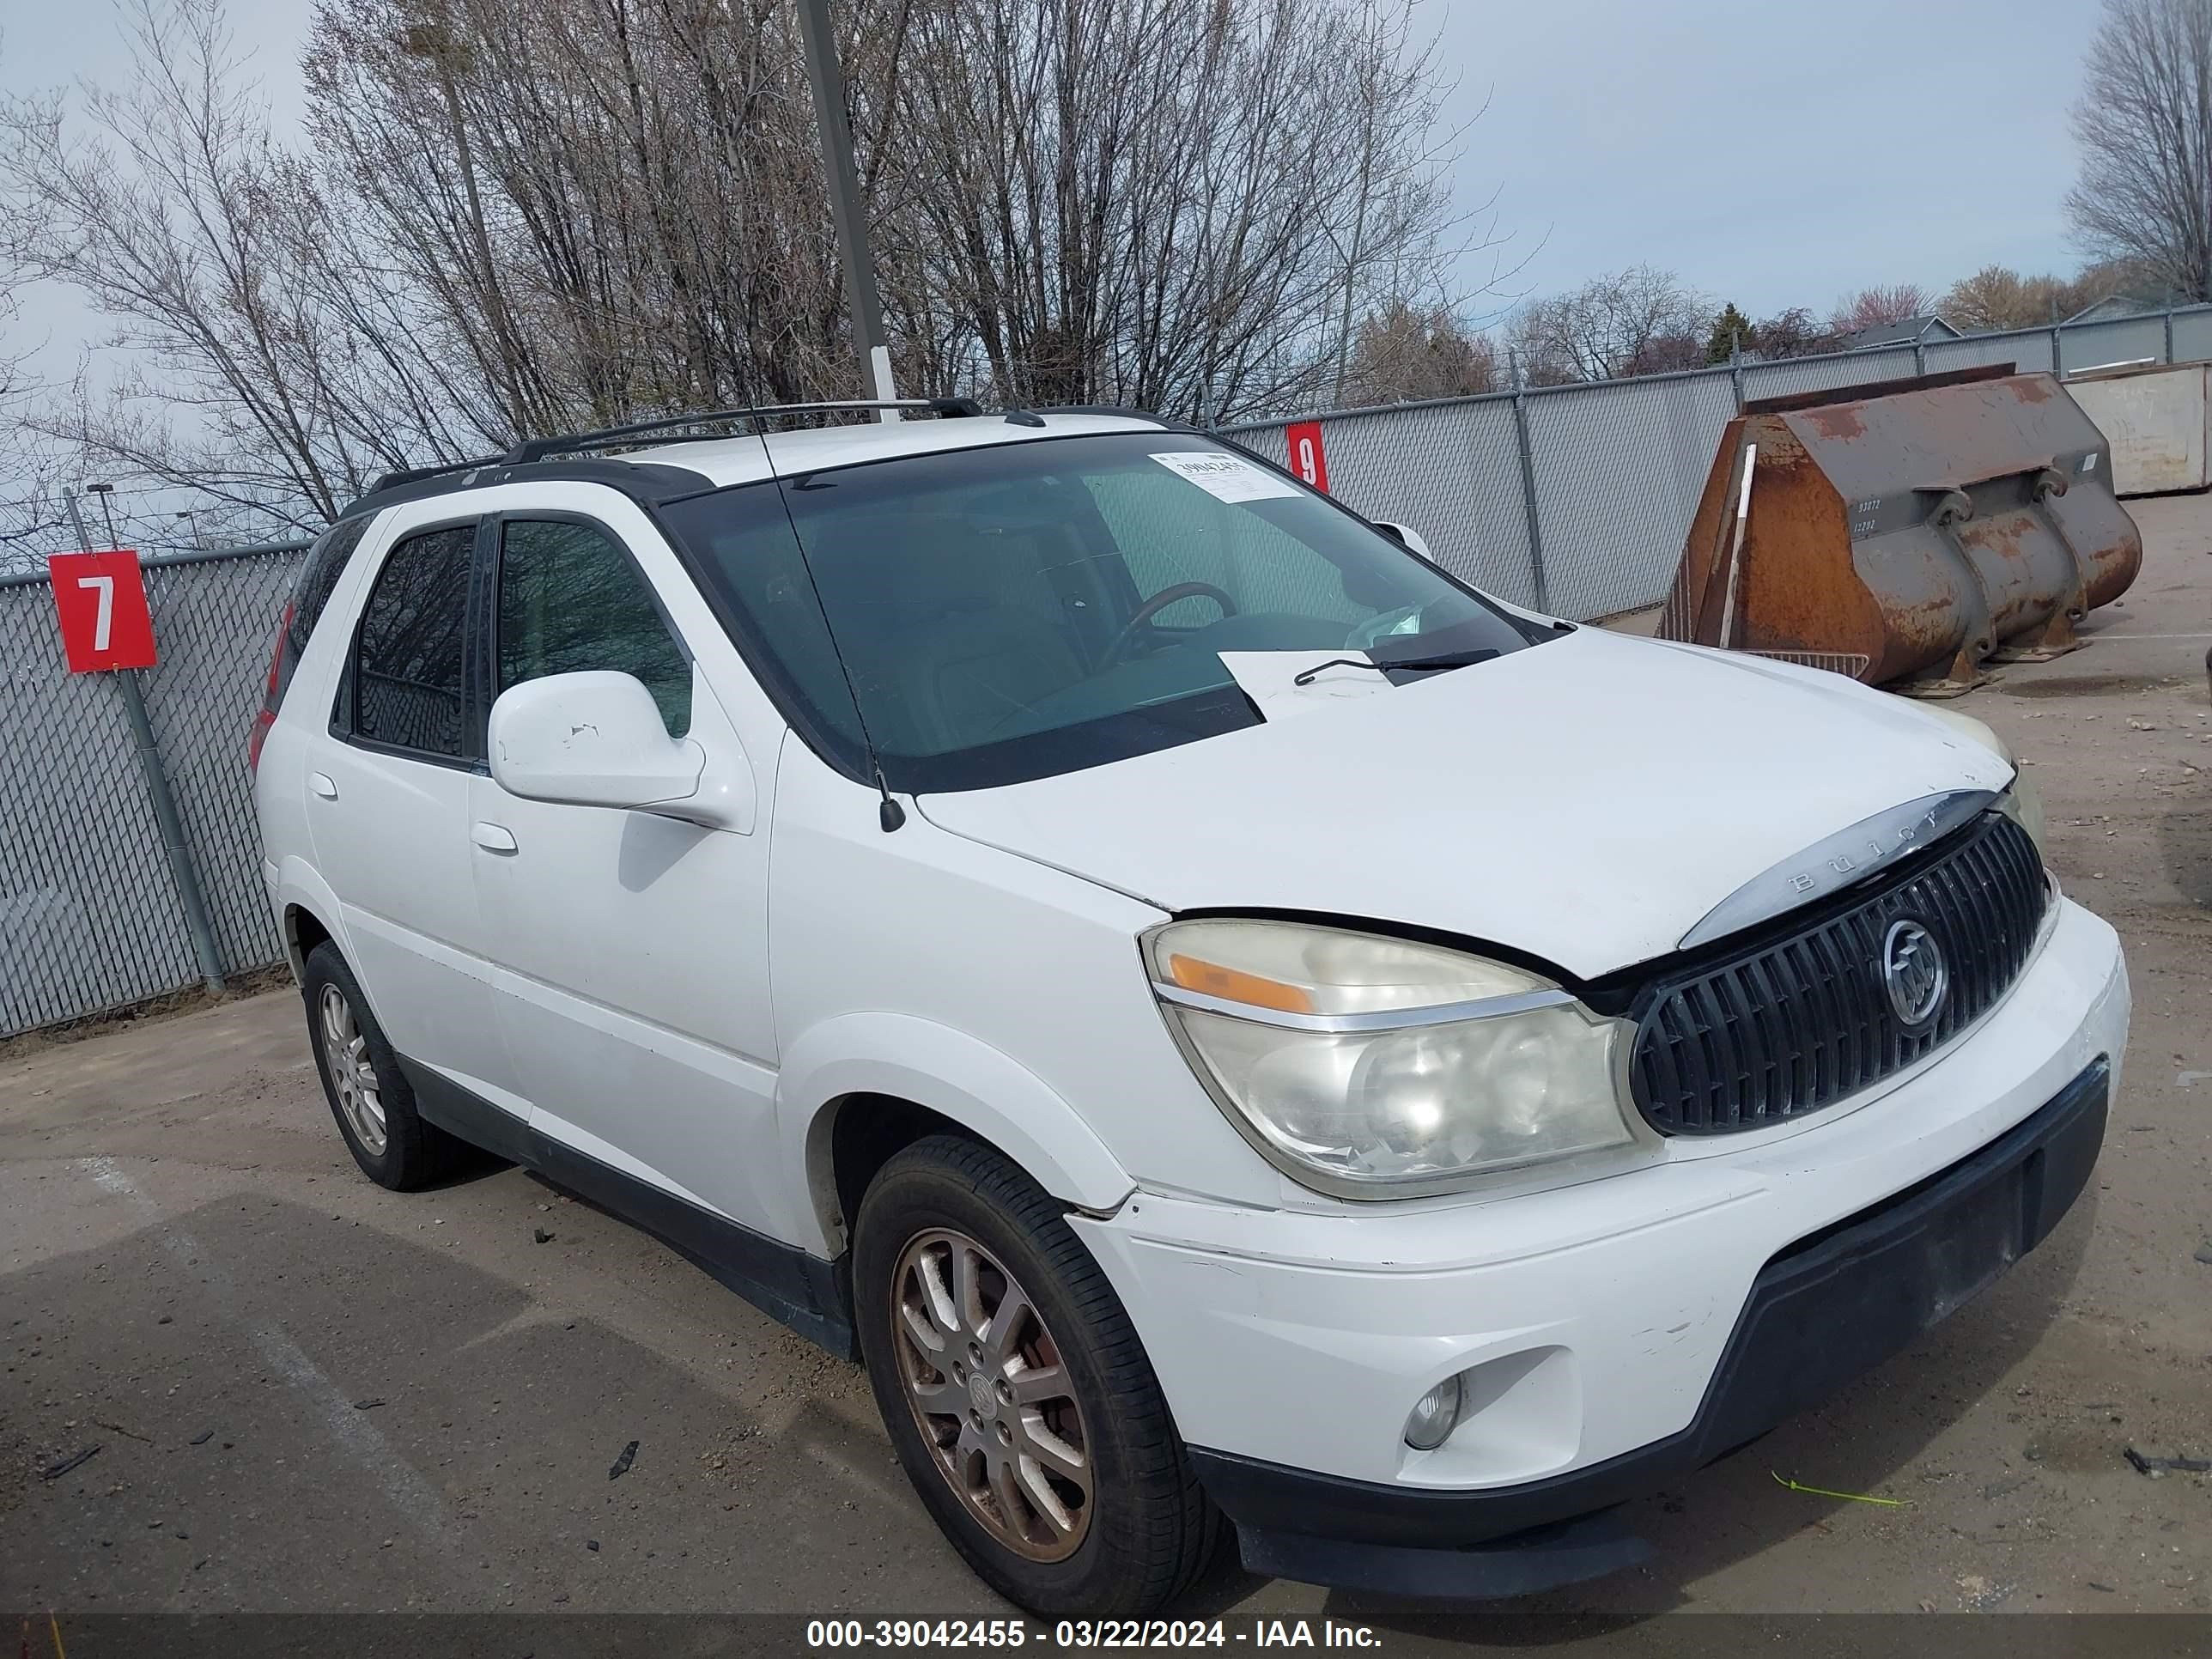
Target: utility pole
x,y
1529,517
869,338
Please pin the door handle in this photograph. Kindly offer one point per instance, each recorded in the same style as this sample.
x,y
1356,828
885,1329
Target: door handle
x,y
324,785
493,837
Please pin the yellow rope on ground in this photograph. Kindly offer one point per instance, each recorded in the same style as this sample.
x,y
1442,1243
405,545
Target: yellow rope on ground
x,y
1850,1497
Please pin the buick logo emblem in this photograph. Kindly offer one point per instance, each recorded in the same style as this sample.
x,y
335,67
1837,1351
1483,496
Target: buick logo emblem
x,y
1913,972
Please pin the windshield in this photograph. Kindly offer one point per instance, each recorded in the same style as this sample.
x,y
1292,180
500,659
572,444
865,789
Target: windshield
x,y
1026,608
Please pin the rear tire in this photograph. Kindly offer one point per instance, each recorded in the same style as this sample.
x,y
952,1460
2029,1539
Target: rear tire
x,y
369,1094
1016,1393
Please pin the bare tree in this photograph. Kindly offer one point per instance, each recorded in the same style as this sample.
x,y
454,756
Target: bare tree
x,y
502,225
1792,333
616,205
263,371
1183,207
1997,297
2143,124
14,354
613,206
15,386
1668,353
1404,353
21,512
505,220
1624,324
1879,307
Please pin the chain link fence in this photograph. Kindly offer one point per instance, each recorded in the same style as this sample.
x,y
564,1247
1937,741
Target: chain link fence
x,y
1577,499
90,917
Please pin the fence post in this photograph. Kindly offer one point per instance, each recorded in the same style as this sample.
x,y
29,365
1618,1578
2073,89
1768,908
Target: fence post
x,y
181,868
1536,577
2169,334
1920,357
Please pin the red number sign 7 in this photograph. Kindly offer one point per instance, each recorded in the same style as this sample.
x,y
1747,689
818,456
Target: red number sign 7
x,y
100,601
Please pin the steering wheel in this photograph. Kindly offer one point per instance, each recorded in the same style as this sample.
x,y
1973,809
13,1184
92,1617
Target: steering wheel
x,y
1159,602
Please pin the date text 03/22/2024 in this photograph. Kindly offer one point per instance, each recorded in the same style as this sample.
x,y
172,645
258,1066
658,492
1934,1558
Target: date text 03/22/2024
x,y
1086,1633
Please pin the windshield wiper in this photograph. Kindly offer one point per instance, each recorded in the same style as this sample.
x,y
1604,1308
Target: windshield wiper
x,y
1390,665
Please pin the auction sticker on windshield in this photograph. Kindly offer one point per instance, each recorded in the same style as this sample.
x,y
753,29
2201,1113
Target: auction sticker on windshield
x,y
1225,477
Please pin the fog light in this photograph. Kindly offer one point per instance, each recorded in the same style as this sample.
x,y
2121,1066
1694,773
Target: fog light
x,y
1435,1416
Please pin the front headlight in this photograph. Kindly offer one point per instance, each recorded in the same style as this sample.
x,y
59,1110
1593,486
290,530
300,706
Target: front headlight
x,y
2023,805
2023,802
1371,1067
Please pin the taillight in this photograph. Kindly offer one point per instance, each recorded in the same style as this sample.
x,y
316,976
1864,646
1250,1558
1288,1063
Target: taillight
x,y
273,698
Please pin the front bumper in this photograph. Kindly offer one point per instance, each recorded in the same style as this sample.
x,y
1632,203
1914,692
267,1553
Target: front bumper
x,y
1624,1330
1822,1312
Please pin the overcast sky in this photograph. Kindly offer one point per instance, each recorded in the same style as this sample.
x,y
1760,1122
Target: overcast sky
x,y
1773,154
45,45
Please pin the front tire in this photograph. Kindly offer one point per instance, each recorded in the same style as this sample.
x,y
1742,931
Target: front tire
x,y
1014,1391
369,1094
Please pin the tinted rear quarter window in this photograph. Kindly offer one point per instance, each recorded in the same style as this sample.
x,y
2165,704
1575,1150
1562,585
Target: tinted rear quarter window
x,y
311,592
318,577
409,667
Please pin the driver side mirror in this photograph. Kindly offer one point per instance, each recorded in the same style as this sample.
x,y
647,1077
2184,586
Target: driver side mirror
x,y
597,740
1407,538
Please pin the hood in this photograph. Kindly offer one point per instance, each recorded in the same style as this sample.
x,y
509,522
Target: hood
x,y
1587,801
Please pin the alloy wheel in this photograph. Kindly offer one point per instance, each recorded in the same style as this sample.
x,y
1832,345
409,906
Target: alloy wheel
x,y
987,1387
352,1074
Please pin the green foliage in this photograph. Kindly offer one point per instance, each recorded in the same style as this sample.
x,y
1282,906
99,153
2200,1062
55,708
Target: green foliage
x,y
1730,326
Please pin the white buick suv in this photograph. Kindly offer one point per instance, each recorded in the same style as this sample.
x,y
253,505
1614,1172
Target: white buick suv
x,y
1231,1025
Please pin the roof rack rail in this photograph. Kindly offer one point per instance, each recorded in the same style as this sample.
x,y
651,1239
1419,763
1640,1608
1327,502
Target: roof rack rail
x,y
532,449
407,475
1125,410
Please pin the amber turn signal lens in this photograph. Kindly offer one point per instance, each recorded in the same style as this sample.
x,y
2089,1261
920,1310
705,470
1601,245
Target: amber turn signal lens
x,y
1231,985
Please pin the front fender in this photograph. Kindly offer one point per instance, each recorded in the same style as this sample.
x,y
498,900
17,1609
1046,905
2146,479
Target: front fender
x,y
952,1073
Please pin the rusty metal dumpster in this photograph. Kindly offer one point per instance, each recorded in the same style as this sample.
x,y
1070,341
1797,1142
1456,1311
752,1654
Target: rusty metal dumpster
x,y
1906,533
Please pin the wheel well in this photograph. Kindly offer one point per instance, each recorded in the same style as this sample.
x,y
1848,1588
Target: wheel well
x,y
866,1133
303,932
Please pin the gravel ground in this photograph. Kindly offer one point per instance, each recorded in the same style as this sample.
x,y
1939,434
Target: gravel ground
x,y
310,1394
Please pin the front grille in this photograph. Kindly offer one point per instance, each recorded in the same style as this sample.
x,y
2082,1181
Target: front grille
x,y
1786,1025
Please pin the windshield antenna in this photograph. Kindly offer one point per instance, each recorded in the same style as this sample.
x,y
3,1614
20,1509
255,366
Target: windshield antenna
x,y
889,812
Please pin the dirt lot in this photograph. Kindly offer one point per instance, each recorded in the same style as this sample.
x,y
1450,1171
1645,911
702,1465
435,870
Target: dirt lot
x,y
311,1395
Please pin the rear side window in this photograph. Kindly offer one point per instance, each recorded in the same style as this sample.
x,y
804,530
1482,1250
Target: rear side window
x,y
409,666
571,599
318,577
311,591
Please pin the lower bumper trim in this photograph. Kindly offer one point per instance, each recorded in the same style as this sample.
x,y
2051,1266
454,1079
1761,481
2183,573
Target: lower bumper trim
x,y
1543,1557
1826,1308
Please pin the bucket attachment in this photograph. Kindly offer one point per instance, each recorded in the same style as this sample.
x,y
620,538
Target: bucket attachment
x,y
1906,533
